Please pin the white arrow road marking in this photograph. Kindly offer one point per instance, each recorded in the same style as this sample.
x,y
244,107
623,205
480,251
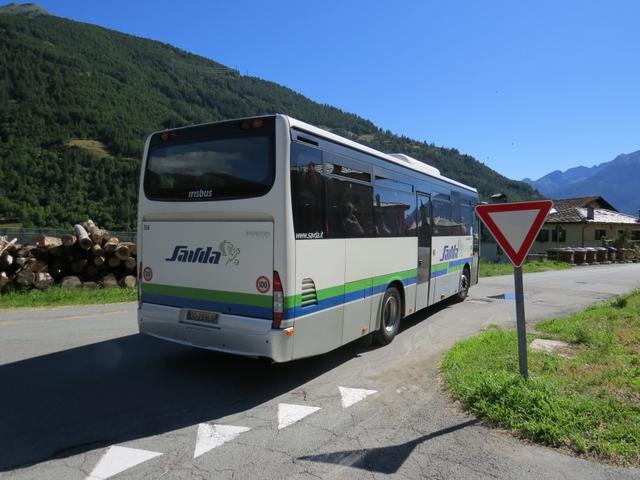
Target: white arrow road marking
x,y
212,436
350,396
289,414
118,459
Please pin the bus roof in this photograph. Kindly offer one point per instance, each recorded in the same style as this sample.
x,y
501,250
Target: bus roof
x,y
398,159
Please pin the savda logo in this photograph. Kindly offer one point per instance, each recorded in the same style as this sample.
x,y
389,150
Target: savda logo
x,y
182,253
449,253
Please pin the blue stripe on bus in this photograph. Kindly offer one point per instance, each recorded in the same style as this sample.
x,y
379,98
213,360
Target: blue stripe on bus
x,y
266,313
222,307
452,264
346,298
439,273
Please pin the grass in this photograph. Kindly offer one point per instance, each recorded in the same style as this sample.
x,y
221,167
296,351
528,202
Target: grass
x,y
93,147
57,296
491,269
589,404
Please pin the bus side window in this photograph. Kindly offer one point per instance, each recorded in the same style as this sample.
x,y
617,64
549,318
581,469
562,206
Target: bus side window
x,y
443,222
466,218
307,190
424,224
392,212
349,209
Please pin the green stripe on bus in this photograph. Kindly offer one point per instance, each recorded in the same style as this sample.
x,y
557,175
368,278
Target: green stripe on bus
x,y
211,295
440,267
356,285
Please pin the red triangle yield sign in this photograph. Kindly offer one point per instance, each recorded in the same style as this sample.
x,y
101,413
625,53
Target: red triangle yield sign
x,y
515,225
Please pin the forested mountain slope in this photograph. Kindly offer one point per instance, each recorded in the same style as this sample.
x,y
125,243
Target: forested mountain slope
x,y
77,101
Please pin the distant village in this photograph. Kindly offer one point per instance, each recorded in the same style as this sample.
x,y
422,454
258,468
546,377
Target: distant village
x,y
584,230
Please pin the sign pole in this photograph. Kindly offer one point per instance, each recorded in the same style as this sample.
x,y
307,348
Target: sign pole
x,y
515,227
520,323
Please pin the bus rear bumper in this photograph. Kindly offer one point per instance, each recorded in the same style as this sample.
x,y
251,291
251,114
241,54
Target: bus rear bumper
x,y
233,334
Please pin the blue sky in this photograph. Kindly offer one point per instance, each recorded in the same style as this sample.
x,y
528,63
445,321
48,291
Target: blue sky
x,y
525,87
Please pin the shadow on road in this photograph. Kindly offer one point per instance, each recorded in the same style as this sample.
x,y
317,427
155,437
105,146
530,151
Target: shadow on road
x,y
382,459
131,387
69,402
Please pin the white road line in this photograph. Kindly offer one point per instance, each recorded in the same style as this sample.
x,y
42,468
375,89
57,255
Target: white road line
x,y
349,396
212,436
288,414
118,459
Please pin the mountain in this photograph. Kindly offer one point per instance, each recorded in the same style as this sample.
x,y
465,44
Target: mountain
x,y
77,102
24,9
616,181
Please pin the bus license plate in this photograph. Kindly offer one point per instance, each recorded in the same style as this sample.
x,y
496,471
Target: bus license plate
x,y
200,316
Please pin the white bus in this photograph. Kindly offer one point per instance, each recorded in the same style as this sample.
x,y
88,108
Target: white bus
x,y
269,237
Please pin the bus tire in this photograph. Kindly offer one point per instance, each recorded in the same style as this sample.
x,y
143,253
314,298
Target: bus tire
x,y
465,282
389,316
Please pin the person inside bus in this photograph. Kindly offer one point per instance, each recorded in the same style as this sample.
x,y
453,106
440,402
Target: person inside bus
x,y
350,224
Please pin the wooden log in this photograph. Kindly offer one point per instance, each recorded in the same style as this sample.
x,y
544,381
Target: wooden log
x,y
128,281
71,281
130,263
25,278
57,251
83,238
6,244
97,250
47,243
42,281
123,250
21,261
109,281
6,260
113,262
89,226
98,261
90,285
79,266
91,271
68,240
97,236
111,244
36,266
25,251
55,270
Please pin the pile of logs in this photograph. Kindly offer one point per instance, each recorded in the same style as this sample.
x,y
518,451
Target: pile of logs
x,y
88,257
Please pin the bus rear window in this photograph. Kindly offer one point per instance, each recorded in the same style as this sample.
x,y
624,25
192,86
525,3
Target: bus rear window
x,y
200,169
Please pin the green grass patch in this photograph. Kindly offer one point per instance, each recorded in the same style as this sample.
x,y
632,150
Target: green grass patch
x,y
57,296
589,403
93,147
491,269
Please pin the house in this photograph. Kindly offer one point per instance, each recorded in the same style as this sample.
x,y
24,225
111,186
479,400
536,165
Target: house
x,y
573,222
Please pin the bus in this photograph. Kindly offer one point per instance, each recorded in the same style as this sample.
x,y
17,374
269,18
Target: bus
x,y
269,237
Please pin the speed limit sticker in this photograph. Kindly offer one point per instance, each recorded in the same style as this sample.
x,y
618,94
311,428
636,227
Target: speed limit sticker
x,y
263,284
147,274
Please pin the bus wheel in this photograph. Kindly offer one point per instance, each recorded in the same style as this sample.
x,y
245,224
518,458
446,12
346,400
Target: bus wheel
x,y
463,289
390,315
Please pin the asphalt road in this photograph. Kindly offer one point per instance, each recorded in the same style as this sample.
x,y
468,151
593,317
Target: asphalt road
x,y
82,393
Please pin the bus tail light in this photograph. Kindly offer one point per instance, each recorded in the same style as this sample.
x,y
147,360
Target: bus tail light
x,y
278,301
